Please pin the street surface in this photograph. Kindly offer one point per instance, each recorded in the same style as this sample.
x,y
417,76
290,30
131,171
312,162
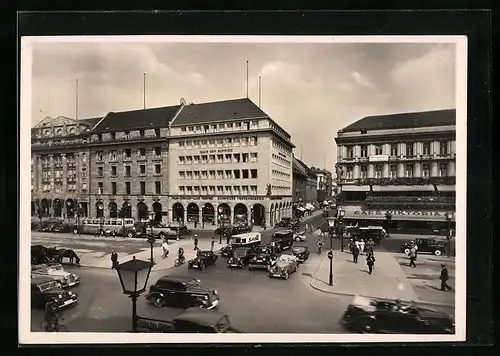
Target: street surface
x,y
254,302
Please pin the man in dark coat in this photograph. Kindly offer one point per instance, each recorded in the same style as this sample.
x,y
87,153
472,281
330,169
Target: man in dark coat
x,y
370,261
444,278
212,243
114,259
355,254
195,242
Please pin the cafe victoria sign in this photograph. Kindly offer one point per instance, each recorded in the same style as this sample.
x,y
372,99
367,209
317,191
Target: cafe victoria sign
x,y
399,213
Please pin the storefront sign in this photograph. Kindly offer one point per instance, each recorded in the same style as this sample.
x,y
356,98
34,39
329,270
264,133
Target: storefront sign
x,y
210,197
382,213
216,151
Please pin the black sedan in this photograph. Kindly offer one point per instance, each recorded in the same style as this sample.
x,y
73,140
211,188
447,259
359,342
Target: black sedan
x,y
241,257
227,251
301,252
369,315
203,259
44,289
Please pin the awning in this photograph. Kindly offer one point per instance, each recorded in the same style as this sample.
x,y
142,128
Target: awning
x,y
355,188
446,188
396,214
301,208
405,188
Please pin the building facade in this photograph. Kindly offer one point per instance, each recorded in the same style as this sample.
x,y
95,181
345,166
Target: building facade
x,y
198,162
324,183
229,161
399,171
304,182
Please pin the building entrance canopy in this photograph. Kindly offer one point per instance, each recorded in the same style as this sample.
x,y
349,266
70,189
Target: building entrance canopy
x,y
396,214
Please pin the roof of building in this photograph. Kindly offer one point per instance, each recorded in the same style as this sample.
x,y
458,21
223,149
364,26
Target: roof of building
x,y
218,111
300,166
137,119
91,121
404,120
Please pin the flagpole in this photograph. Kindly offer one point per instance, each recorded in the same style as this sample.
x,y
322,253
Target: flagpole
x,y
247,79
144,90
76,100
260,91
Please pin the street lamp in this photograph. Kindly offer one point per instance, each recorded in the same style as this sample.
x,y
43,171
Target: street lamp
x,y
331,224
151,238
341,213
449,217
134,275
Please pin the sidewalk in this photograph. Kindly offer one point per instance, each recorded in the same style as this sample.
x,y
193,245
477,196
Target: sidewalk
x,y
387,281
96,261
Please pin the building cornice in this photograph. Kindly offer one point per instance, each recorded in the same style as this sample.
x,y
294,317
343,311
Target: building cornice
x,y
394,138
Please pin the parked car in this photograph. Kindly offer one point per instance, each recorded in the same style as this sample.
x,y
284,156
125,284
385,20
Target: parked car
x,y
285,265
264,255
44,289
203,259
241,257
234,229
284,222
300,236
193,320
177,230
56,272
301,252
294,224
182,292
426,245
370,315
282,239
55,226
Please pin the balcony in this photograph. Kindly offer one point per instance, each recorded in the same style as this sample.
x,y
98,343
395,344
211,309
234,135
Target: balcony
x,y
71,165
401,181
409,200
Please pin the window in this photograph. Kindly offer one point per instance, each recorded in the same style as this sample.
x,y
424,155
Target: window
x,y
228,142
183,129
84,173
204,175
196,159
236,189
99,137
253,189
378,171
182,160
220,158
227,158
220,174
253,141
158,151
220,189
211,174
443,148
253,157
244,173
253,173
113,188
100,172
196,174
127,171
189,175
157,168
181,144
220,142
204,159
236,141
182,175
128,153
244,190
127,188
143,188
99,155
221,127
443,170
84,187
244,141
350,152
142,133
426,171
196,144
236,174
142,169
84,157
157,187
211,189
409,171
378,150
113,171
426,148
364,151
409,149
394,150
100,187
236,158
350,173
182,190
196,190
244,157
364,172
393,171
228,174
204,143
206,128
113,136
157,132
189,190
189,160
142,153
211,159
211,143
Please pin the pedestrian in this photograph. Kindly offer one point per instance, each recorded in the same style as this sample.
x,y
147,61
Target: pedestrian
x,y
195,242
320,245
195,223
264,224
370,261
362,246
212,243
356,243
114,259
413,255
355,254
444,278
203,223
307,228
164,247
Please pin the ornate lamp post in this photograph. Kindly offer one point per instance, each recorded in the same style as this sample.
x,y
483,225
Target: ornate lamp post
x,y
331,225
151,238
134,275
449,217
341,228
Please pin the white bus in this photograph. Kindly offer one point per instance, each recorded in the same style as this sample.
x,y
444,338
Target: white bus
x,y
105,226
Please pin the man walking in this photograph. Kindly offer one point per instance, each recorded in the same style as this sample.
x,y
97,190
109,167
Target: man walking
x,y
164,248
196,242
413,255
370,261
355,254
114,259
212,243
444,278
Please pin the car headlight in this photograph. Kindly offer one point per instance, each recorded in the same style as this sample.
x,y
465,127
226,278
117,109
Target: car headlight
x,y
73,275
60,296
206,297
70,293
215,291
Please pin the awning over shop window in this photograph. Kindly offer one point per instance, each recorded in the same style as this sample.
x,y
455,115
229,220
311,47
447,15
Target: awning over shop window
x,y
396,215
403,188
446,188
355,188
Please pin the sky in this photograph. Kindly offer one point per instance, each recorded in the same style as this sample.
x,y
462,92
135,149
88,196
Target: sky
x,y
311,89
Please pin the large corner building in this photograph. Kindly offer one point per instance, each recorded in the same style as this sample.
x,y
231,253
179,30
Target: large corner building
x,y
398,171
188,162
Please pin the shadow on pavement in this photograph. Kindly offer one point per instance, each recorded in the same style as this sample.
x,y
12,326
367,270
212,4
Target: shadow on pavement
x,y
115,324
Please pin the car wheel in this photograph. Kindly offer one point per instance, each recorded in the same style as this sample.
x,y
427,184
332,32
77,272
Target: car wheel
x,y
407,251
158,302
130,234
75,231
297,239
438,252
286,275
367,326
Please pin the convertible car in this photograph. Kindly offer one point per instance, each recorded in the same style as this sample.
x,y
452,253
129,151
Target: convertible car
x,y
370,315
56,272
203,259
284,266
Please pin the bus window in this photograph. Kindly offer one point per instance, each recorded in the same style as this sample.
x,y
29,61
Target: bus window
x,y
95,222
84,221
114,222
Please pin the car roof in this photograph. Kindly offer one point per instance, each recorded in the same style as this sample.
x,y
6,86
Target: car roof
x,y
242,248
176,278
201,316
40,280
283,232
247,234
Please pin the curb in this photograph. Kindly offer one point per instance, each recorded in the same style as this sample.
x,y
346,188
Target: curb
x,y
313,278
109,268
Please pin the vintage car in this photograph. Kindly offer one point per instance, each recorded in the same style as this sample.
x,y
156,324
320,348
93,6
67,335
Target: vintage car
x,y
301,252
284,222
234,229
370,315
56,272
177,230
44,289
143,229
181,292
192,320
203,259
282,239
55,226
264,256
250,239
300,236
284,266
294,224
426,245
241,257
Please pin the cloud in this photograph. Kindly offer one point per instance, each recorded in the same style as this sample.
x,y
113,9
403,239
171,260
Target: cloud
x,y
362,80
